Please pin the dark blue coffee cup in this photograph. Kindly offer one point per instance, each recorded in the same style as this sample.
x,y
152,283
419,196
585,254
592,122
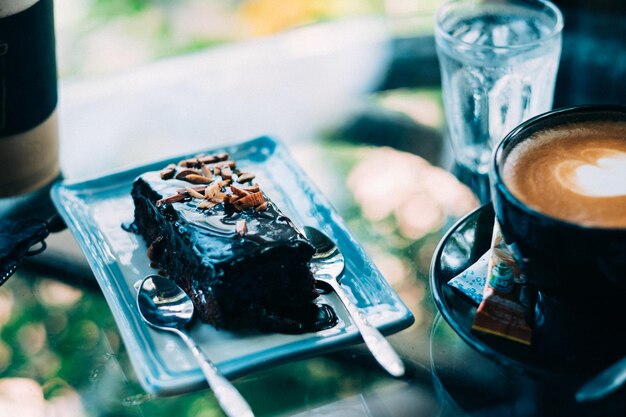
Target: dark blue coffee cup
x,y
560,258
578,270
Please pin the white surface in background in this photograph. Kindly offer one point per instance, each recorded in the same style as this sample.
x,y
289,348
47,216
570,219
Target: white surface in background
x,y
288,86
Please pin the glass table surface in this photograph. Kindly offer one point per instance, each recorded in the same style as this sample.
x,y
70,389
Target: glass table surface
x,y
373,147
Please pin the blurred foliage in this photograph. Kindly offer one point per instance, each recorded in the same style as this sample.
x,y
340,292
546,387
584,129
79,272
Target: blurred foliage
x,y
291,12
110,8
271,16
53,332
75,347
101,36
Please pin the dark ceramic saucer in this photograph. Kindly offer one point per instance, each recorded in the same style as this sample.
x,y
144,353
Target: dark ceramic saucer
x,y
464,243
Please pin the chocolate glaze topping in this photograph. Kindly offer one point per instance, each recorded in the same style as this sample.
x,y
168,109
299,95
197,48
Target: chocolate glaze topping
x,y
224,233
213,231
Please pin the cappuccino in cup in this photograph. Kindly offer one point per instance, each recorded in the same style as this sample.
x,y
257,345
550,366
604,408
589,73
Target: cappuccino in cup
x,y
574,172
558,184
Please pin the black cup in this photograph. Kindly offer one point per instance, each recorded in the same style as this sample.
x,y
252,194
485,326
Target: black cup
x,y
563,259
579,271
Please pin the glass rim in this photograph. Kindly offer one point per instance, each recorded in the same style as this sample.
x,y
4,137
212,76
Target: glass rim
x,y
555,29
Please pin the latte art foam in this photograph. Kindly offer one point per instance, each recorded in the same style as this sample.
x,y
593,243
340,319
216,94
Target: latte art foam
x,y
598,175
576,172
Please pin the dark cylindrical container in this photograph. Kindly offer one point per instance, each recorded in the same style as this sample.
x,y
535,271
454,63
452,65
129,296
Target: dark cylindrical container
x,y
29,156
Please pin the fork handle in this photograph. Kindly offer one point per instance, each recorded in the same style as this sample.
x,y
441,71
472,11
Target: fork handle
x,y
380,348
232,402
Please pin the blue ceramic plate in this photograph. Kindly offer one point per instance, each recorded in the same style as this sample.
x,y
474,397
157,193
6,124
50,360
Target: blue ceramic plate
x,y
94,211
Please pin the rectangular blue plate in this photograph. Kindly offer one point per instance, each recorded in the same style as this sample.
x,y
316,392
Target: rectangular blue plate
x,y
94,211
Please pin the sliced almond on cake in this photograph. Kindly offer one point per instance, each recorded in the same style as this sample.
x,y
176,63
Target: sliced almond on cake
x,y
172,199
241,227
245,177
194,193
249,201
168,172
197,179
239,191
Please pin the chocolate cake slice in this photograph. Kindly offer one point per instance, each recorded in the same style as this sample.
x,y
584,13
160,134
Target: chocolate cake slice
x,y
211,229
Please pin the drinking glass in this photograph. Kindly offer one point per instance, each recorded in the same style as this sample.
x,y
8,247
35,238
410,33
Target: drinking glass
x,y
498,61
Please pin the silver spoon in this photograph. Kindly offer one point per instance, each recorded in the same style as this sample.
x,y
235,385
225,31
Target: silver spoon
x,y
328,264
603,384
165,306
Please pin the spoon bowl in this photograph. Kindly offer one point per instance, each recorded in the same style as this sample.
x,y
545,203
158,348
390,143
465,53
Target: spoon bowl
x,y
327,259
165,306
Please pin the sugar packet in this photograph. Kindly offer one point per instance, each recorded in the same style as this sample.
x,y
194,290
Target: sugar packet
x,y
505,308
471,282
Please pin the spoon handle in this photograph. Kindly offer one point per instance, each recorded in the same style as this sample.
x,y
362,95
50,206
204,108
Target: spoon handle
x,y
603,384
231,401
380,348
